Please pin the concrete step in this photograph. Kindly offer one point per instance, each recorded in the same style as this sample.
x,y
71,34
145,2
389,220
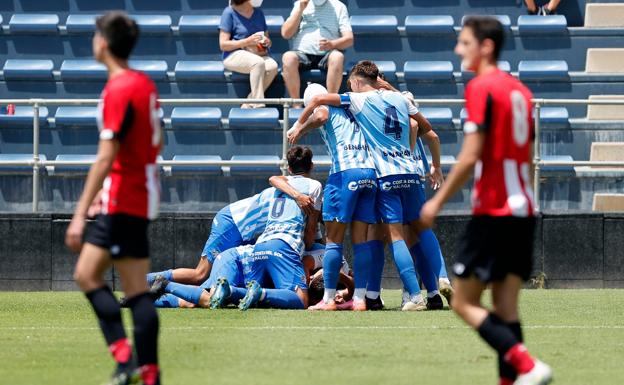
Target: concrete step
x,y
605,112
609,60
608,203
604,15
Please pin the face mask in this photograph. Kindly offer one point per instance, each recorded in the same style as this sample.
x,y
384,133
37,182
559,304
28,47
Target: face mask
x,y
318,3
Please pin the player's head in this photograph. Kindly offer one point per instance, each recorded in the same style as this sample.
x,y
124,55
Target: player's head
x,y
313,90
363,76
299,160
115,36
480,40
316,289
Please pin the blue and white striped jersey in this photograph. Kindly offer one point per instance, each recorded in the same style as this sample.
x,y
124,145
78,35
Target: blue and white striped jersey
x,y
345,141
286,221
384,119
250,214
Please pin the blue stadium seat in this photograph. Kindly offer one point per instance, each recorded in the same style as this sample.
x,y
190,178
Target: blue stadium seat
x,y
503,65
429,24
387,67
293,115
543,70
374,24
252,118
156,69
443,159
263,170
199,70
428,70
438,116
533,24
76,116
34,23
18,69
199,24
86,69
19,158
23,118
463,114
274,23
321,169
74,169
196,117
216,170
505,20
80,24
153,24
554,115
557,158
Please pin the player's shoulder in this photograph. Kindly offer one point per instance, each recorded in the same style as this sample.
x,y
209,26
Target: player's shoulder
x,y
130,81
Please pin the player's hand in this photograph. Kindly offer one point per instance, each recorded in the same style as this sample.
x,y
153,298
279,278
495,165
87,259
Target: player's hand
x,y
383,85
73,236
305,203
338,298
326,45
294,134
436,178
303,4
428,213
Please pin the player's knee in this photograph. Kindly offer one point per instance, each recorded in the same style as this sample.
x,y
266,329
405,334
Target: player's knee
x,y
85,281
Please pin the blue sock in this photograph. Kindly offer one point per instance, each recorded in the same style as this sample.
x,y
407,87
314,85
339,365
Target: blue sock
x,y
405,266
168,274
331,267
281,299
237,294
167,301
428,275
188,293
431,248
361,267
378,259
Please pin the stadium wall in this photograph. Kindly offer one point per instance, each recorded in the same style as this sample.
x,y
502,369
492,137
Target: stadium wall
x,y
571,250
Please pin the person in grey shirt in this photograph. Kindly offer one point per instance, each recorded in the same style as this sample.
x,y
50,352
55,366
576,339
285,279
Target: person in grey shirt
x,y
320,31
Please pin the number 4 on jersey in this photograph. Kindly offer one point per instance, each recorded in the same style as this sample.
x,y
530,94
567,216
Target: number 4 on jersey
x,y
392,126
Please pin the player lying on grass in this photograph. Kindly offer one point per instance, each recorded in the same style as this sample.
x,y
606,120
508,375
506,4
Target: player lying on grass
x,y
348,197
497,246
277,254
236,224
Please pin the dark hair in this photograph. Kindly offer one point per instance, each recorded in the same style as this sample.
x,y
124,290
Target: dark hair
x,y
238,2
366,70
316,289
120,31
299,160
484,27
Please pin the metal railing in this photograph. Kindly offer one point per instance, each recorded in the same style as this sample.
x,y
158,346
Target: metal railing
x,y
36,163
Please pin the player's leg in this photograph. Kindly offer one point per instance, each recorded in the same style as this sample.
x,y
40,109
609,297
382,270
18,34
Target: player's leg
x,y
373,289
254,274
505,305
285,269
362,260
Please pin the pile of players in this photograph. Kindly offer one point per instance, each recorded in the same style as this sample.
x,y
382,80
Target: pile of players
x,y
264,251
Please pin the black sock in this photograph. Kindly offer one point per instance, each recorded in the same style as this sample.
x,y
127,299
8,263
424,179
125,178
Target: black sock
x,y
145,320
497,334
108,312
504,369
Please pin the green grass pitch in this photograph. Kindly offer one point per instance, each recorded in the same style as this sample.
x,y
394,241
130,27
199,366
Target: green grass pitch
x,y
52,338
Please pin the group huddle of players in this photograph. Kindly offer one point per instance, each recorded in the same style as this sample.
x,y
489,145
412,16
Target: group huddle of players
x,y
258,252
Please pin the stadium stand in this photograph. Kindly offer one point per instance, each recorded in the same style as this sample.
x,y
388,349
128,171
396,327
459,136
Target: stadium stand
x,y
45,52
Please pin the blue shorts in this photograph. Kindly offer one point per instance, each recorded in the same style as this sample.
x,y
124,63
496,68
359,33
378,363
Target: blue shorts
x,y
399,198
276,261
228,265
350,196
223,235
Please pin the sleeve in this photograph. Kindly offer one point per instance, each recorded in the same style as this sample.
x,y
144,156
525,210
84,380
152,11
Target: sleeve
x,y
226,23
343,20
412,105
317,195
117,116
355,101
479,108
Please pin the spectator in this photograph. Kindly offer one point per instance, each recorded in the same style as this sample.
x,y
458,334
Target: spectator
x,y
245,43
548,9
320,31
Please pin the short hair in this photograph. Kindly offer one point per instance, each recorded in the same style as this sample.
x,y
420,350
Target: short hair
x,y
485,27
316,290
239,2
366,70
120,31
299,160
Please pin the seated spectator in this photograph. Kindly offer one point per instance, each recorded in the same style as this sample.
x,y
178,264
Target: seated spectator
x,y
320,31
549,8
245,43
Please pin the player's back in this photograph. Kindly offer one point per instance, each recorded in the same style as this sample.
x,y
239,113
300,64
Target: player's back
x,y
384,116
345,141
129,112
250,214
500,105
286,221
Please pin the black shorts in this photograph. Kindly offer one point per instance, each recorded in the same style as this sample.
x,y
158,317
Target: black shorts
x,y
309,62
493,247
125,236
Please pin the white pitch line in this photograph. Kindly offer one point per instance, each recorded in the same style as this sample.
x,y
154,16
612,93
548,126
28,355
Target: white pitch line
x,y
321,328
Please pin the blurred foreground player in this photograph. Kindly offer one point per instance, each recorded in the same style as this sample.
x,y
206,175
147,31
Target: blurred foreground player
x,y
497,245
125,169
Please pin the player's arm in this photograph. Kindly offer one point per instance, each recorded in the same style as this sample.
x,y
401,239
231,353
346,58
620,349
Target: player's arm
x,y
305,202
309,235
308,266
107,150
319,100
346,280
436,178
318,119
413,135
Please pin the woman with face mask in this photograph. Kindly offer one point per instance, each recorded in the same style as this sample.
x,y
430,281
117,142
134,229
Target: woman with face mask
x,y
244,40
